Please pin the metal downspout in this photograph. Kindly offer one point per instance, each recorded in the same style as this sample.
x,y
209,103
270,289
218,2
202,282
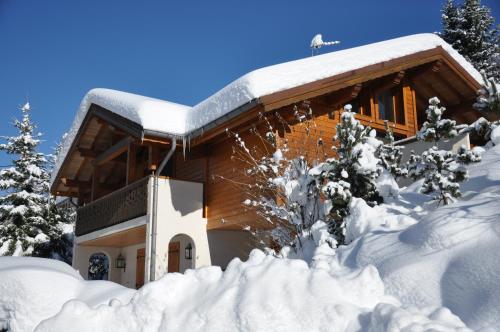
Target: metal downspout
x,y
155,209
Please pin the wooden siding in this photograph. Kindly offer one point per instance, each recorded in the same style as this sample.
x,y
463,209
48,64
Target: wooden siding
x,y
224,199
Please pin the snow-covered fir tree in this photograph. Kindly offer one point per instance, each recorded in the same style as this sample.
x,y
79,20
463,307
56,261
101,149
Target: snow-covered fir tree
x,y
390,155
27,225
442,170
488,96
59,246
436,128
470,28
352,173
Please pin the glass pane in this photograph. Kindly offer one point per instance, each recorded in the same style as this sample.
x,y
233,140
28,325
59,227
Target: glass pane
x,y
366,106
355,107
98,267
385,106
400,110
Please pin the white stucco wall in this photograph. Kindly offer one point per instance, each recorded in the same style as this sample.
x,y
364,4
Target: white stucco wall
x,y
184,263
81,255
125,277
226,245
180,211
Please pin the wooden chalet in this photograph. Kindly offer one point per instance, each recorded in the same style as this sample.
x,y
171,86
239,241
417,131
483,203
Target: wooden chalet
x,y
153,196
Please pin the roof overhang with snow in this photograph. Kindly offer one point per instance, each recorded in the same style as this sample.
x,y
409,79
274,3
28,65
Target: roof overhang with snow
x,y
269,88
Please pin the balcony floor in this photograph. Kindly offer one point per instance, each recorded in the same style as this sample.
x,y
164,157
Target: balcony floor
x,y
120,239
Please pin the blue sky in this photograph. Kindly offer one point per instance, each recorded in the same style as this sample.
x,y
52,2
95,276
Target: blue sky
x,y
53,52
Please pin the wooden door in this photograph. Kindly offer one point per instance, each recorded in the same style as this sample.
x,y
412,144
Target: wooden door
x,y
139,268
173,256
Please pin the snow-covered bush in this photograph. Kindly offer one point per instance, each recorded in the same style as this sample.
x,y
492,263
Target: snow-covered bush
x,y
352,173
279,188
442,170
28,223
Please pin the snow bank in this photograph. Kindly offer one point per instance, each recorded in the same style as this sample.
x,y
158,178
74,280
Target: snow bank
x,y
32,289
262,294
449,257
180,120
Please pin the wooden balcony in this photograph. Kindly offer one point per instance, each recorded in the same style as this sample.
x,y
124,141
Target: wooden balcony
x,y
124,204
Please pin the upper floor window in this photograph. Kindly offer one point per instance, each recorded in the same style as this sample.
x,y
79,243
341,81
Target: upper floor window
x,y
390,106
362,105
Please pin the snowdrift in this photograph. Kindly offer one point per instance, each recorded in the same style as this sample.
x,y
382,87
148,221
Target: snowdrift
x,y
32,289
412,266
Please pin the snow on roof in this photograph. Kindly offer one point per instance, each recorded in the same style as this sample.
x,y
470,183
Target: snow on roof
x,y
180,120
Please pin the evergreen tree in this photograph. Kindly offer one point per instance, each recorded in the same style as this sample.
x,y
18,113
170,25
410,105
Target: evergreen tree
x,y
390,155
470,29
488,97
27,224
435,128
442,170
351,174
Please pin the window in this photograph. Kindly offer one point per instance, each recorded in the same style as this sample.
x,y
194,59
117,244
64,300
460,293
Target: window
x,y
385,106
390,105
362,106
98,266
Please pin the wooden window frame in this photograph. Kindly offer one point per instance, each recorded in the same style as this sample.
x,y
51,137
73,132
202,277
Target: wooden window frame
x,y
374,120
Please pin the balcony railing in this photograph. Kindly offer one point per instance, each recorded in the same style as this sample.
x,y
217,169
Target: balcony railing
x,y
124,204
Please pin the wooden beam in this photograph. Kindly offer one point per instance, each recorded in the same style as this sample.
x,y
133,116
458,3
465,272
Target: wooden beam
x,y
131,163
389,82
113,152
76,183
398,77
339,98
88,153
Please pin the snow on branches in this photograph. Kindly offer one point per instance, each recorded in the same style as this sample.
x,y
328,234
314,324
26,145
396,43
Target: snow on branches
x,y
28,225
442,170
488,97
435,128
470,29
280,189
352,173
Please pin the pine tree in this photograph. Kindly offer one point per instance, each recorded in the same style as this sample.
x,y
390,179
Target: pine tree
x,y
436,128
488,97
390,155
470,29
351,174
27,226
442,170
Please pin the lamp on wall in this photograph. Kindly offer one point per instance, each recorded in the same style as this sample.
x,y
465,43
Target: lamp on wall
x,y
188,251
120,262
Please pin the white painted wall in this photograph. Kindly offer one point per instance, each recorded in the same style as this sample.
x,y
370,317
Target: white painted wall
x,y
184,263
226,245
81,255
125,277
180,211
128,277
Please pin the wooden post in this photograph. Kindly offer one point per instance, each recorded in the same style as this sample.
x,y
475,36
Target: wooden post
x,y
131,163
153,158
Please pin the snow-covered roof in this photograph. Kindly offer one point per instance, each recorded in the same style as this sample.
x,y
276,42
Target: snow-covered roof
x,y
180,120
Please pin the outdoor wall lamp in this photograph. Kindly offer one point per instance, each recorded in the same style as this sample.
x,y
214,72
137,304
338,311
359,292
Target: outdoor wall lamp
x,y
188,251
120,262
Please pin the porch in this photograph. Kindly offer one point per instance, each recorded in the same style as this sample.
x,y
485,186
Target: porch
x,y
118,228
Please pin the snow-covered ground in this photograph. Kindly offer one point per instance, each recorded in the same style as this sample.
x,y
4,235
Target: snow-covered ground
x,y
413,267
